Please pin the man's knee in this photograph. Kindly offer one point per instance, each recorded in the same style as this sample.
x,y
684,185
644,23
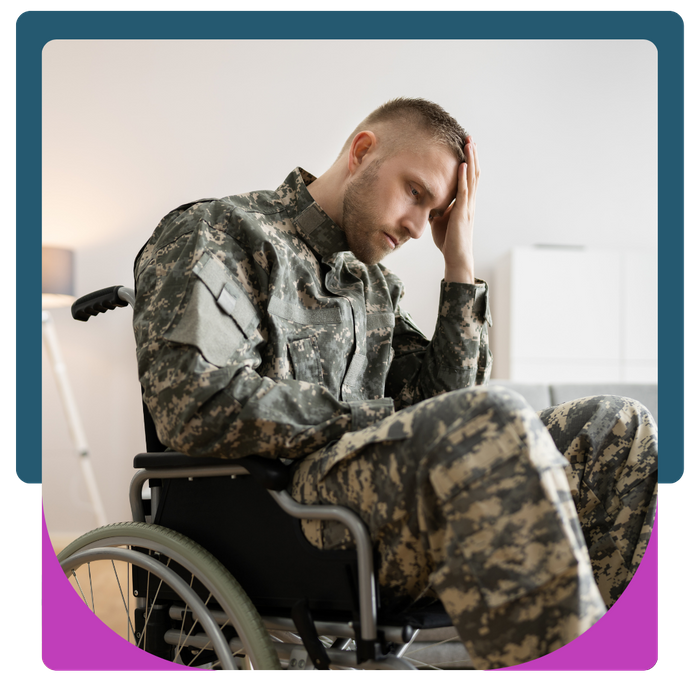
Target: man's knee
x,y
585,429
600,410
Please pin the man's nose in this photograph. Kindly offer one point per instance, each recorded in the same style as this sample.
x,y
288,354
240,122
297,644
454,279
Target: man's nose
x,y
415,224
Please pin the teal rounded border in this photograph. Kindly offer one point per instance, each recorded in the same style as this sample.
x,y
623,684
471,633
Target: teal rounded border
x,y
663,29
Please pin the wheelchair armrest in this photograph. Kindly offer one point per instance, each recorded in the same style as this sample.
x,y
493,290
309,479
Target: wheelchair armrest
x,y
269,473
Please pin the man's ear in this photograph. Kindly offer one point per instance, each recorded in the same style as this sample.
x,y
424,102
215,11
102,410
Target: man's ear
x,y
361,145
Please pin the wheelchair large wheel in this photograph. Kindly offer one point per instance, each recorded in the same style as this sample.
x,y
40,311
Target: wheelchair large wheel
x,y
167,595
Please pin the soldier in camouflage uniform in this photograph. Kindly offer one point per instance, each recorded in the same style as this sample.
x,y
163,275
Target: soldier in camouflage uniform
x,y
266,324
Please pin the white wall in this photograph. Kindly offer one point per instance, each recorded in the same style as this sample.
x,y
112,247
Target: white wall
x,y
566,132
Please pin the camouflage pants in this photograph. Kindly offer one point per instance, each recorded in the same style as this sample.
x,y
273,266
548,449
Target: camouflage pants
x,y
509,517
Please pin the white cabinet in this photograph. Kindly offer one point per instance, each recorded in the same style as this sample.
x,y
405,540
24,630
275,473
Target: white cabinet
x,y
569,314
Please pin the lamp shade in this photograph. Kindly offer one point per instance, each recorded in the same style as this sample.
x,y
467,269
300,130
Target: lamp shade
x,y
56,277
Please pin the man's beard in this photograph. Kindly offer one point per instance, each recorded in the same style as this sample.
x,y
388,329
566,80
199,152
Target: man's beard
x,y
361,220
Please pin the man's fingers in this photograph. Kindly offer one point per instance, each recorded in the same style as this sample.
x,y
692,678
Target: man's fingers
x,y
468,176
462,187
473,171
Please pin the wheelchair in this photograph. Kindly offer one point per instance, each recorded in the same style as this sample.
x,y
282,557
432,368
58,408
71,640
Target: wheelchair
x,y
215,571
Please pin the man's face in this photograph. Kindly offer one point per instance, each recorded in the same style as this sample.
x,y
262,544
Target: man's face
x,y
392,200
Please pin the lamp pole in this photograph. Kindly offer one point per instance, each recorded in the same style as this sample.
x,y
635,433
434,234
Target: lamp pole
x,y
57,266
74,424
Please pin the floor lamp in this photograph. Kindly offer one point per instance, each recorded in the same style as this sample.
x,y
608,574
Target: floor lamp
x,y
56,291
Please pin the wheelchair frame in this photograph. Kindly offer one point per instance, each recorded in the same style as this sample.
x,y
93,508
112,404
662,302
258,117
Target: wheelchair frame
x,y
377,646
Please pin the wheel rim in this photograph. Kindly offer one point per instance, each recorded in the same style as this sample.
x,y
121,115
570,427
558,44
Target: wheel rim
x,y
201,571
91,556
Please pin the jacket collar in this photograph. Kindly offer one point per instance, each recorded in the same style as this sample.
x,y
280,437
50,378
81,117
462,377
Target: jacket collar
x,y
313,225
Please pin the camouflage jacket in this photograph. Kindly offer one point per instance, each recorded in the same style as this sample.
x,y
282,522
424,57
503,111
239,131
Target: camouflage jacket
x,y
258,333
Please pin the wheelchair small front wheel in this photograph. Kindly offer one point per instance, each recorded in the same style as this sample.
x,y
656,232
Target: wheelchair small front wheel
x,y
167,595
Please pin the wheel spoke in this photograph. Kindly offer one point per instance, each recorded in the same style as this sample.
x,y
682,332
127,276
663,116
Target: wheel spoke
x,y
92,592
124,602
186,637
80,588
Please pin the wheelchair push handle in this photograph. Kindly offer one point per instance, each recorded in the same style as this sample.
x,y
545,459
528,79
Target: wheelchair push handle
x,y
101,301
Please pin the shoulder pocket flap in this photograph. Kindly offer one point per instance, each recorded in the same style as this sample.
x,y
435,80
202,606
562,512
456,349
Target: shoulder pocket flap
x,y
226,289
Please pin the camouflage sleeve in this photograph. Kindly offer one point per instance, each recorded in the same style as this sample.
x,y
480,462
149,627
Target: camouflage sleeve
x,y
199,329
457,357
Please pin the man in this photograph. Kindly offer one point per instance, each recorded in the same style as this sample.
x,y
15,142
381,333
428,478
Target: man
x,y
266,324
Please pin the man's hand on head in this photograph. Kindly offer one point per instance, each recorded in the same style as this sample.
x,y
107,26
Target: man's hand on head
x,y
454,230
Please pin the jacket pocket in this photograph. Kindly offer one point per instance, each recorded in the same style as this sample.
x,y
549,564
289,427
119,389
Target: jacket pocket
x,y
306,360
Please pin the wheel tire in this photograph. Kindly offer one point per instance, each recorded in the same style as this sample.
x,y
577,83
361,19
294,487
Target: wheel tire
x,y
202,565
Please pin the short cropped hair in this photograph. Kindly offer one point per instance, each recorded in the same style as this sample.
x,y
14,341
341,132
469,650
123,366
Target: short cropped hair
x,y
419,114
